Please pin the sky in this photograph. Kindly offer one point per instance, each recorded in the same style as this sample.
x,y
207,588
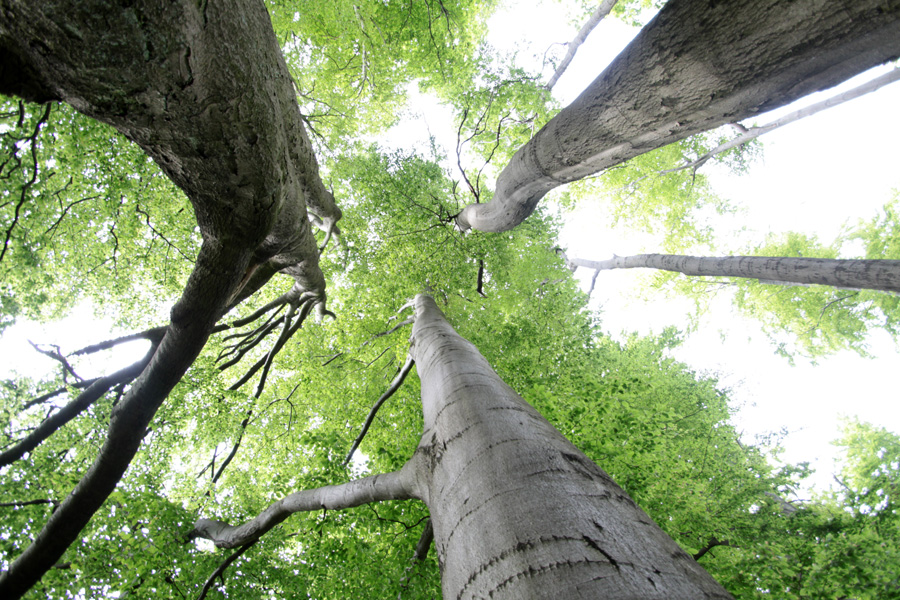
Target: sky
x,y
836,167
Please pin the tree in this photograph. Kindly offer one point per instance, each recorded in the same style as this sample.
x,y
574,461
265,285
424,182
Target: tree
x,y
205,92
879,274
808,300
635,106
483,450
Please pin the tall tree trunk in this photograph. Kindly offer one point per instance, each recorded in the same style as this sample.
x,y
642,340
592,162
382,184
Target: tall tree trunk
x,y
697,65
881,275
204,90
518,511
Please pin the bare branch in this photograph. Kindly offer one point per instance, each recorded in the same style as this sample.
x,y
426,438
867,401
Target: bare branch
x,y
604,9
395,385
28,502
712,543
23,194
220,570
424,542
754,132
85,399
58,357
388,332
397,485
480,288
154,335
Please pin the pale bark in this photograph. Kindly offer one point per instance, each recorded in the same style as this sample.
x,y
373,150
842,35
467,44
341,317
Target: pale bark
x,y
517,510
572,47
754,132
204,90
696,66
398,485
883,275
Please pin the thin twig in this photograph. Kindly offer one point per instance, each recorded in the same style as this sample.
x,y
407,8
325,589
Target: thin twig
x,y
221,569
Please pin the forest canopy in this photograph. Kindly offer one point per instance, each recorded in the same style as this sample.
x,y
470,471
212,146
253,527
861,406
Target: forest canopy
x,y
266,250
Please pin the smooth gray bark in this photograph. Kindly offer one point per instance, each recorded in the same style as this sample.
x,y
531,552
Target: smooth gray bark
x,y
754,132
696,66
375,488
883,275
204,90
518,512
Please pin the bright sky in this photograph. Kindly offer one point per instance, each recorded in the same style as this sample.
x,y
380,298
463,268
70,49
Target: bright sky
x,y
817,174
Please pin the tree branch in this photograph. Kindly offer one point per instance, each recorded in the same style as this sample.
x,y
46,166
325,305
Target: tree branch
x,y
397,485
424,543
395,385
220,570
602,11
754,132
54,422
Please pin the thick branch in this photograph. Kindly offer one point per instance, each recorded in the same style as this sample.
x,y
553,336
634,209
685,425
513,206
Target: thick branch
x,y
604,9
375,488
192,320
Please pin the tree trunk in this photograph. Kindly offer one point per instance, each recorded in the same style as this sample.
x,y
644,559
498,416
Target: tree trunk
x,y
859,274
697,65
204,90
518,512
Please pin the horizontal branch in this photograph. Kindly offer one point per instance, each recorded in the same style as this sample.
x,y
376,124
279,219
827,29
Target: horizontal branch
x,y
877,274
375,488
154,335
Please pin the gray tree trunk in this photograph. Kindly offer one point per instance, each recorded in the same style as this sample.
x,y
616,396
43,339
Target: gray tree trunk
x,y
518,512
697,65
204,90
860,274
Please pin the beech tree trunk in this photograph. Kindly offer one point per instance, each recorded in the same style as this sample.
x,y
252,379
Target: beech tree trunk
x,y
204,90
697,65
881,275
519,512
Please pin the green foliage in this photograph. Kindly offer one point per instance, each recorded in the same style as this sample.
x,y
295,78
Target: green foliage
x,y
811,321
86,216
652,194
846,545
353,61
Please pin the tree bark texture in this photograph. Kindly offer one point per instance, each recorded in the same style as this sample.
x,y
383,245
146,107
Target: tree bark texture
x,y
881,275
697,65
203,89
518,512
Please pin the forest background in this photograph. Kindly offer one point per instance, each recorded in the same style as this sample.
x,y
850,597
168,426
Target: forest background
x,y
510,287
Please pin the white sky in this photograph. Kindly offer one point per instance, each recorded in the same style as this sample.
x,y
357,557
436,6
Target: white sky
x,y
817,174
